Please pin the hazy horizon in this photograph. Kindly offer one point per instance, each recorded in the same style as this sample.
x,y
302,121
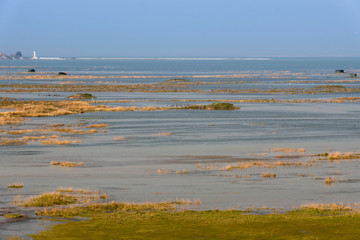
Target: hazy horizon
x,y
186,58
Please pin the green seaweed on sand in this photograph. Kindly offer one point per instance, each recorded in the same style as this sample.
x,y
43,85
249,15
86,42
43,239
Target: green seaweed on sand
x,y
124,221
13,215
330,89
213,106
178,80
82,96
48,199
16,185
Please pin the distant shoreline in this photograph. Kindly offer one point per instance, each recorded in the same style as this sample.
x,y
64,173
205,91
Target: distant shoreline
x,y
100,58
129,58
180,58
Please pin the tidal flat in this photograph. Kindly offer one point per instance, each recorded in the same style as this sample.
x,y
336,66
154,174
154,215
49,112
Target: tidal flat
x,y
286,134
161,222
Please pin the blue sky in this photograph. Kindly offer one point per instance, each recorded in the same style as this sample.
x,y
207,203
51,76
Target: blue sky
x,y
181,28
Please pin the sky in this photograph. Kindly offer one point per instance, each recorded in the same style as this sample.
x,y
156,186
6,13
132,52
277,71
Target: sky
x,y
181,28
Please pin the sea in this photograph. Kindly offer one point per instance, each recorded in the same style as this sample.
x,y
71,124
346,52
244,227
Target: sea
x,y
181,154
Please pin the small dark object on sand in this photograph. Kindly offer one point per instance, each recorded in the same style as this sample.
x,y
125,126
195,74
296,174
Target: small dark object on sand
x,y
353,75
31,70
62,73
339,71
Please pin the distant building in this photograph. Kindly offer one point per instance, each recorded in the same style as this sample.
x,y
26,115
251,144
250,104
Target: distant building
x,y
3,56
35,57
18,54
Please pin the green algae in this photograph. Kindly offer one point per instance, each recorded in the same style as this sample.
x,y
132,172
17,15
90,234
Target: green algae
x,y
151,223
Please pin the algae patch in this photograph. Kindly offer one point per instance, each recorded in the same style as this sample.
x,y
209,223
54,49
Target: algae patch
x,y
213,106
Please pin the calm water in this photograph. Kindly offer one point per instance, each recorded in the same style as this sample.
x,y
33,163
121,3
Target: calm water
x,y
127,170
187,67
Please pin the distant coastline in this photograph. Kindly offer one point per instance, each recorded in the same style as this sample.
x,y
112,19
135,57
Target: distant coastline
x,y
129,58
173,58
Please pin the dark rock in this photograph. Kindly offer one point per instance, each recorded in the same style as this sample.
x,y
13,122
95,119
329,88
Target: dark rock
x,y
353,75
62,73
31,70
339,71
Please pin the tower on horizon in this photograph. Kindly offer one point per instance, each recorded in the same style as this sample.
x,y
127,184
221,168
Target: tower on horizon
x,y
35,57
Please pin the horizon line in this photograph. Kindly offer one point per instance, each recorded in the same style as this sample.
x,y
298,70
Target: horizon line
x,y
174,58
180,58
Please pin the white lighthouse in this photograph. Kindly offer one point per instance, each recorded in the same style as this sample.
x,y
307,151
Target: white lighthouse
x,y
35,57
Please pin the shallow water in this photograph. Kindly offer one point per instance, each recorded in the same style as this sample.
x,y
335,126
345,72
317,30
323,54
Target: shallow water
x,y
127,169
